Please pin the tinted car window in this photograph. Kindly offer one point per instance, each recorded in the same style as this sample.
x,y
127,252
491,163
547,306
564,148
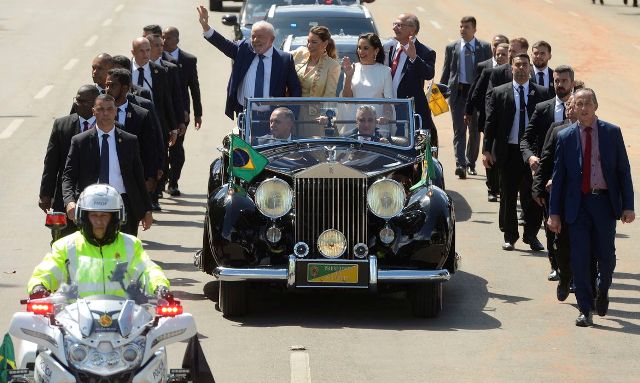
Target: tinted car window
x,y
299,26
255,10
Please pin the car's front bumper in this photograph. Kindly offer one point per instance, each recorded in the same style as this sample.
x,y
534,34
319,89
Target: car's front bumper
x,y
288,274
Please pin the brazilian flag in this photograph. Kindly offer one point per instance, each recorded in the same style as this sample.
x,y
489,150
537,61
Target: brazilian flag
x,y
7,358
244,161
428,170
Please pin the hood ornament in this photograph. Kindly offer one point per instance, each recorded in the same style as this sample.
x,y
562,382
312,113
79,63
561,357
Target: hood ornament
x,y
331,153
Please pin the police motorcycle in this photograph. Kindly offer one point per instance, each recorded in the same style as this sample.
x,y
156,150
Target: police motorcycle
x,y
101,338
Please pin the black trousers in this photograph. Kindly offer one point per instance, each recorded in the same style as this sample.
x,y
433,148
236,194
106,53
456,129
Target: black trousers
x,y
493,180
130,226
176,161
515,176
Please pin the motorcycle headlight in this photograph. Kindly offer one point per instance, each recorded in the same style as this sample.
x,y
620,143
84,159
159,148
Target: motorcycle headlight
x,y
131,353
78,353
274,198
385,198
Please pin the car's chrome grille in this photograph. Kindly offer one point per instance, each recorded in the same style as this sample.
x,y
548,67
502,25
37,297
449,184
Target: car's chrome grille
x,y
330,203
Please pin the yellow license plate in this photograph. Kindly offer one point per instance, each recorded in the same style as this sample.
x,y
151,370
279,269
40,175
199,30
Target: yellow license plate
x,y
332,273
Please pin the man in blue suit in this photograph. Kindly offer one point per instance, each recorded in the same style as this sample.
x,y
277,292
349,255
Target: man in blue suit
x,y
259,70
592,189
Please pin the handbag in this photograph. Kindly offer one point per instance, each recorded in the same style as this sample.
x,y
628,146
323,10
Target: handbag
x,y
436,100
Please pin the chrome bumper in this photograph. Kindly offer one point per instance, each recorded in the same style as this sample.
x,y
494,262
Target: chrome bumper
x,y
289,274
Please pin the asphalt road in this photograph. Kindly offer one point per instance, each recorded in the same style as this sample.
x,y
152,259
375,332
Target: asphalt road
x,y
501,321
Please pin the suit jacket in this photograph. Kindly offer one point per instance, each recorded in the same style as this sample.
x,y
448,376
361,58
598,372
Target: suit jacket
x,y
54,160
545,170
566,193
536,130
141,92
175,86
414,74
162,98
138,121
83,167
450,75
161,154
189,76
534,78
501,114
476,98
284,80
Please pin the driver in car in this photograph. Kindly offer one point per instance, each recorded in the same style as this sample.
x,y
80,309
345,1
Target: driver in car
x,y
366,125
280,125
88,257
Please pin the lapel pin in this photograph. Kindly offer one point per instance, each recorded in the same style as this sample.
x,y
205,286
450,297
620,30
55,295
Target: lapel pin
x,y
128,114
155,71
119,140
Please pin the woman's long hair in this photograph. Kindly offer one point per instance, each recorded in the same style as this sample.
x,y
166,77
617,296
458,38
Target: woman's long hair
x,y
325,35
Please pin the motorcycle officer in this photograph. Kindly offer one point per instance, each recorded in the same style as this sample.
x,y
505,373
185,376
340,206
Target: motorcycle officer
x,y
89,256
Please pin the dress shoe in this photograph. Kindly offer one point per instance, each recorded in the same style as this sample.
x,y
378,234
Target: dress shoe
x,y
492,197
553,275
508,246
562,291
584,320
460,172
534,244
173,191
602,303
155,206
472,171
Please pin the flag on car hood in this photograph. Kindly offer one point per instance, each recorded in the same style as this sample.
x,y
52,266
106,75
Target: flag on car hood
x,y
244,161
7,358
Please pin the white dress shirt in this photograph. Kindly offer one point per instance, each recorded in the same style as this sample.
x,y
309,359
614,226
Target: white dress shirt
x,y
148,82
515,128
463,78
122,116
559,109
403,59
91,122
175,54
115,175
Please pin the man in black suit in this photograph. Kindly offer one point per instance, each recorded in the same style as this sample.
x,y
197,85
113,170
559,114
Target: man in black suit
x,y
187,65
541,74
100,65
510,108
59,142
252,59
155,29
458,72
546,113
107,154
120,61
502,74
412,63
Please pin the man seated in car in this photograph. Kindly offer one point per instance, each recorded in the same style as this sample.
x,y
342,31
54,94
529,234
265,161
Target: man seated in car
x,y
280,125
366,125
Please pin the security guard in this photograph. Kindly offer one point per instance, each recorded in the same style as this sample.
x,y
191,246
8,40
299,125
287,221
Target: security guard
x,y
89,257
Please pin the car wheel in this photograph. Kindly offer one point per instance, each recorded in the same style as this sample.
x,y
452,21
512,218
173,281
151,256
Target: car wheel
x,y
233,298
426,300
208,262
215,5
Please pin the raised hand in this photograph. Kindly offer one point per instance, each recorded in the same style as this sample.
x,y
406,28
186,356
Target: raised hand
x,y
411,50
203,18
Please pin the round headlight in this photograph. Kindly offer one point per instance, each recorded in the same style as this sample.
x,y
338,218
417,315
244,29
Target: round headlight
x,y
332,243
130,353
385,198
274,198
78,353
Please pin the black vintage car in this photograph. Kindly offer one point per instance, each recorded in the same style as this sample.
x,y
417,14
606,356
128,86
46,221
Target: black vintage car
x,y
350,199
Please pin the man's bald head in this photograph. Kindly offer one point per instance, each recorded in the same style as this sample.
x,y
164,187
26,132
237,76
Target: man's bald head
x,y
141,50
85,97
170,38
99,68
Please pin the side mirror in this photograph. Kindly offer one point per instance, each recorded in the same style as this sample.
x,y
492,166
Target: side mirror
x,y
230,20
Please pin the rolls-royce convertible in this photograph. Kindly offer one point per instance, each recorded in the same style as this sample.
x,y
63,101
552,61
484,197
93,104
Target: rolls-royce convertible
x,y
338,193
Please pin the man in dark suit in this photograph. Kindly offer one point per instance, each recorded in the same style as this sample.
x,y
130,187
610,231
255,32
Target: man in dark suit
x,y
187,63
541,74
123,62
107,154
280,126
476,102
458,72
502,74
252,60
510,108
591,189
412,63
100,65
59,142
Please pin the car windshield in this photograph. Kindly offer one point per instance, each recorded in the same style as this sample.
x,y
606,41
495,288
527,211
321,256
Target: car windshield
x,y
299,26
273,121
256,10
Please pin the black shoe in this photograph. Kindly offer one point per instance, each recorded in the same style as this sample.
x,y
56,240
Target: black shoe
x,y
472,171
534,244
155,206
562,291
508,246
602,304
553,275
173,191
584,320
492,197
460,172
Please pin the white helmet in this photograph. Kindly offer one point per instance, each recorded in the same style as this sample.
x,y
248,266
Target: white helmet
x,y
100,197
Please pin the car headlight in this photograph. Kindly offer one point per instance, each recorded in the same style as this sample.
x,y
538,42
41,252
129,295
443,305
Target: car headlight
x,y
385,198
332,243
274,198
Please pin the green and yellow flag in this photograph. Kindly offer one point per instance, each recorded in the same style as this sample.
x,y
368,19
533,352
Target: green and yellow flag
x,y
428,170
7,358
244,161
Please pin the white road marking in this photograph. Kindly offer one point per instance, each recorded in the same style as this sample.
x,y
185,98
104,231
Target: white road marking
x,y
9,130
92,40
574,14
300,371
420,9
435,24
107,22
70,64
43,92
549,1
119,7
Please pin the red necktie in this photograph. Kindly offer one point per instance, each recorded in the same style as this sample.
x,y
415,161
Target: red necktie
x,y
586,161
396,60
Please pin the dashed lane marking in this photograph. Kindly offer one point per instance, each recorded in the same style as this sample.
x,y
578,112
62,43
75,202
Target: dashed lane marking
x,y
549,1
435,24
92,40
574,14
70,64
13,126
119,7
107,22
43,92
300,370
420,9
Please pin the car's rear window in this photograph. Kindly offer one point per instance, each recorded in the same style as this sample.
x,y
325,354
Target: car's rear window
x,y
299,26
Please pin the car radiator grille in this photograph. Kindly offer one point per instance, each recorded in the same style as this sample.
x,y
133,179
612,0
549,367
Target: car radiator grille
x,y
330,203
